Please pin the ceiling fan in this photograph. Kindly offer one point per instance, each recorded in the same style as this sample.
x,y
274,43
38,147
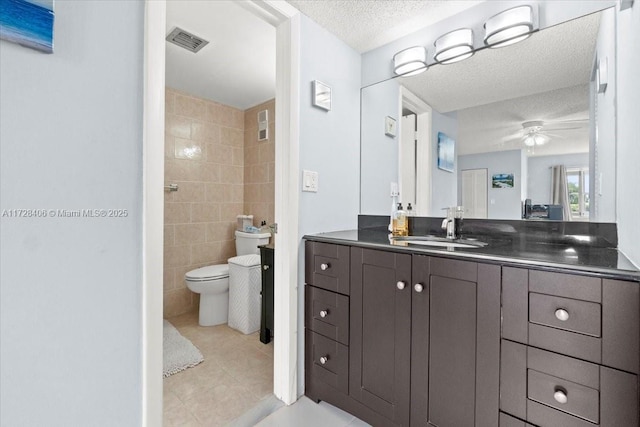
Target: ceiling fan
x,y
535,133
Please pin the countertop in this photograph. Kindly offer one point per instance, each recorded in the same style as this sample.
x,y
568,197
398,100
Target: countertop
x,y
515,250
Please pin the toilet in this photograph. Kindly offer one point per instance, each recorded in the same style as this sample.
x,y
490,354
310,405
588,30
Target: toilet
x,y
212,281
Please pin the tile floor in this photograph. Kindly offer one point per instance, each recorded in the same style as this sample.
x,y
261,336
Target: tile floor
x,y
237,373
307,413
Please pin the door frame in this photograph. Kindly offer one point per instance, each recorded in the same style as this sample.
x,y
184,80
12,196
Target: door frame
x,y
286,19
424,149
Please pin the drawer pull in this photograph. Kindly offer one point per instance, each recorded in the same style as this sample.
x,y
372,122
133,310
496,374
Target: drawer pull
x,y
324,313
562,314
560,396
265,267
325,266
324,360
418,287
400,285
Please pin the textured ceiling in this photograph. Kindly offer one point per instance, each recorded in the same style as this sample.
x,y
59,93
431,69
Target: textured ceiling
x,y
368,24
542,78
236,68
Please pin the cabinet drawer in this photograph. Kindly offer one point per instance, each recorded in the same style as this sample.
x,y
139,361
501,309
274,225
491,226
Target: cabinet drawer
x,y
565,313
603,323
327,360
327,266
566,285
564,395
595,395
327,313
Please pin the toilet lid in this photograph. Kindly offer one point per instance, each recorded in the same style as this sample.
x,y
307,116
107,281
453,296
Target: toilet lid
x,y
209,272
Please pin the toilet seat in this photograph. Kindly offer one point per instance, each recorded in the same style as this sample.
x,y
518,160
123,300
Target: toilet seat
x,y
209,272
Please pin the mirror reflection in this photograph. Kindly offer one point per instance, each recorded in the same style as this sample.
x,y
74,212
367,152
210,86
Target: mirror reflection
x,y
532,135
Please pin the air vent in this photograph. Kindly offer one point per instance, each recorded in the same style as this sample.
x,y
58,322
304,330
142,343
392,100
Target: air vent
x,y
186,40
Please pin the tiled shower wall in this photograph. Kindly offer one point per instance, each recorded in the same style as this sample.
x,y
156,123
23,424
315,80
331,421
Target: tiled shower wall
x,y
259,161
205,157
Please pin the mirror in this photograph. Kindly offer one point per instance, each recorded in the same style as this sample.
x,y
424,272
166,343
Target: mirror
x,y
513,113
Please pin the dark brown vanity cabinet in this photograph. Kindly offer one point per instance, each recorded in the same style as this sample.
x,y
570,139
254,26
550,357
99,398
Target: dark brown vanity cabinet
x,y
402,339
425,338
570,350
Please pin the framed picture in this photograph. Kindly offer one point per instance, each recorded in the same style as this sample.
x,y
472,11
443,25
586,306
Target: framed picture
x,y
321,96
28,23
446,153
390,128
502,180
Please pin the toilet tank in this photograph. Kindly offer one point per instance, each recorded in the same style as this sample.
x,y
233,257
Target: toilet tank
x,y
247,243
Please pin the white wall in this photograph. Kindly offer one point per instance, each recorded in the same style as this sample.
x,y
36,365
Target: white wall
x,y
502,203
329,144
70,288
379,101
628,153
603,162
539,185
443,184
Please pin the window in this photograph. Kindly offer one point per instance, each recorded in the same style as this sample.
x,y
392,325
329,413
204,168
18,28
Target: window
x,y
578,185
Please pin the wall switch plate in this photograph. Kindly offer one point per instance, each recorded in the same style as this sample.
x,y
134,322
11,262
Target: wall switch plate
x,y
310,181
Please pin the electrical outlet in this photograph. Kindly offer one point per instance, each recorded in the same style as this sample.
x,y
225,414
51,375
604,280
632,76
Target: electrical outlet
x,y
310,181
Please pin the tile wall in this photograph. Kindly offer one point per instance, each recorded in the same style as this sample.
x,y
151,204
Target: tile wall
x,y
205,156
259,161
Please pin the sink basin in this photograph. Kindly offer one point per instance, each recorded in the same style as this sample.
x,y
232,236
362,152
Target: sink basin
x,y
442,242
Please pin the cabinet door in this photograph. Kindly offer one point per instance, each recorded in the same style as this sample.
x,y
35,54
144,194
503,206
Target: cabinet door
x,y
380,332
455,343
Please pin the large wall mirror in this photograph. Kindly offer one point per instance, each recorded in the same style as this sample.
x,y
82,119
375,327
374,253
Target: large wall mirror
x,y
523,119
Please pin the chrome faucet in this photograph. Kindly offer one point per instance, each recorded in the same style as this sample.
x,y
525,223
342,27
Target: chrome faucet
x,y
452,224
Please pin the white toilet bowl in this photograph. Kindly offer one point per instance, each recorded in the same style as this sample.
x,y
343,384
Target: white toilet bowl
x,y
212,283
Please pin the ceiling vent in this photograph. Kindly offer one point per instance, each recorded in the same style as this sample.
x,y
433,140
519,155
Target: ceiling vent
x,y
186,40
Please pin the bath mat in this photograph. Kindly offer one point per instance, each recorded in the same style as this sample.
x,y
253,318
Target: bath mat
x,y
178,352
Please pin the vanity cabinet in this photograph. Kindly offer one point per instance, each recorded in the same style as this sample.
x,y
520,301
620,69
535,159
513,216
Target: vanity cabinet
x,y
570,349
423,337
407,339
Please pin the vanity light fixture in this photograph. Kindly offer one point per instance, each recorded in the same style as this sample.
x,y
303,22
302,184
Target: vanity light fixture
x,y
454,46
509,27
410,61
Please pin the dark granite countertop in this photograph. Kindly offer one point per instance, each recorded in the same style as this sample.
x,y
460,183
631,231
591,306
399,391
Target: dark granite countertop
x,y
517,249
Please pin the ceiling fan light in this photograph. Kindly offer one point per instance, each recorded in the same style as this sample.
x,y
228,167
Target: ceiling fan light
x,y
509,27
454,46
411,61
540,139
529,141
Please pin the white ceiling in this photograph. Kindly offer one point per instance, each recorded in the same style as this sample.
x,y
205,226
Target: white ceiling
x,y
236,68
368,24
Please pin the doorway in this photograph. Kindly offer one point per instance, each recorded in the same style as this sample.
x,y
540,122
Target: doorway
x,y
287,22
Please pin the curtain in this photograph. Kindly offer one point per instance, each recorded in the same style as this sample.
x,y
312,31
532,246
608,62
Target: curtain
x,y
560,190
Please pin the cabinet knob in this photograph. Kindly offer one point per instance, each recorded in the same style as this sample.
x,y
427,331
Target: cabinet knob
x,y
324,266
324,360
265,267
324,313
418,287
562,314
560,396
400,285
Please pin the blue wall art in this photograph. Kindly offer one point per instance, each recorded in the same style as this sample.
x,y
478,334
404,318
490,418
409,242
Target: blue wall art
x,y
446,152
28,23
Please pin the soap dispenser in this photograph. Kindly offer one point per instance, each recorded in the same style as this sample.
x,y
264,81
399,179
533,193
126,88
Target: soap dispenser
x,y
400,223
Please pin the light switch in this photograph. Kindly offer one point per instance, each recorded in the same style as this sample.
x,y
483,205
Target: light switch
x,y
310,181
